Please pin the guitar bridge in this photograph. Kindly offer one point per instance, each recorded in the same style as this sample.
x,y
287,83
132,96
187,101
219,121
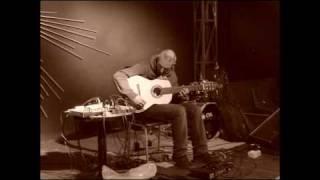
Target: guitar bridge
x,y
138,88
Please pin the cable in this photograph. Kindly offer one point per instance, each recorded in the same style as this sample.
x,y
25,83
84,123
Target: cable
x,y
128,127
122,101
67,143
65,140
126,149
122,143
79,144
104,133
62,127
120,153
251,169
114,137
125,145
237,172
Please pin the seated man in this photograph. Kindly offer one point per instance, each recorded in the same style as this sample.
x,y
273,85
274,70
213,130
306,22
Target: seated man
x,y
180,115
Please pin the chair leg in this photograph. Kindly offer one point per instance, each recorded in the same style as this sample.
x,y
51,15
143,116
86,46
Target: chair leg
x,y
159,133
146,138
129,140
146,143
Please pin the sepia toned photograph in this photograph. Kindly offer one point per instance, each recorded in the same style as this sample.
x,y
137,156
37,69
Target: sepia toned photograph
x,y
160,89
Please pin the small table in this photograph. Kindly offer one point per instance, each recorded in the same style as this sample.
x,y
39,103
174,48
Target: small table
x,y
102,158
102,148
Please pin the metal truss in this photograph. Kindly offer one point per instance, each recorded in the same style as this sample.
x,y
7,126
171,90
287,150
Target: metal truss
x,y
205,37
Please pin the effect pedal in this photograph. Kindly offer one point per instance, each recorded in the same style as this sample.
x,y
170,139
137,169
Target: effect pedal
x,y
202,173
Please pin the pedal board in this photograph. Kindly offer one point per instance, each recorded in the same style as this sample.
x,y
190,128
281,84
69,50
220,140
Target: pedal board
x,y
208,173
202,173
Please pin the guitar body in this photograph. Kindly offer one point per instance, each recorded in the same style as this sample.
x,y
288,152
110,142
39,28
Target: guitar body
x,y
149,91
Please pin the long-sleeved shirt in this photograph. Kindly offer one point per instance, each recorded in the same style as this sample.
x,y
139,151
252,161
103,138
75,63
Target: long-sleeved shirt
x,y
148,69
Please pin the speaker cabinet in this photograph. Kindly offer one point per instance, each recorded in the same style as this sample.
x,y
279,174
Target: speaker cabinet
x,y
267,132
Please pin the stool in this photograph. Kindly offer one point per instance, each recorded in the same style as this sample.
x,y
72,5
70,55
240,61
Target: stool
x,y
145,127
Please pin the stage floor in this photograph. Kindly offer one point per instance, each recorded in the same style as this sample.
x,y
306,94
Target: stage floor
x,y
60,162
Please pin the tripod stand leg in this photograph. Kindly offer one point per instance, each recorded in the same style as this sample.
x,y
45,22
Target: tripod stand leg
x,y
265,121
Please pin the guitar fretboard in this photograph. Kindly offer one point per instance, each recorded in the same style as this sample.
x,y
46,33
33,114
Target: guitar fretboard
x,y
177,89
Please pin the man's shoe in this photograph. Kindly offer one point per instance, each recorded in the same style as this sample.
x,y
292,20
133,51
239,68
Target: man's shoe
x,y
206,159
182,162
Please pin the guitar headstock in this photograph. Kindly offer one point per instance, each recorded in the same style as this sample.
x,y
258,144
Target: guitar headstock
x,y
210,85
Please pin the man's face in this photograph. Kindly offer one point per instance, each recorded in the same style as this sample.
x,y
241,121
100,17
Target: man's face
x,y
166,62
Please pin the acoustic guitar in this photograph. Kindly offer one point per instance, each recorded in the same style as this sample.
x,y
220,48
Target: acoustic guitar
x,y
159,91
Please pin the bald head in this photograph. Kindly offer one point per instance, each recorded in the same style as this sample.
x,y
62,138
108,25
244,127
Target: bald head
x,y
167,58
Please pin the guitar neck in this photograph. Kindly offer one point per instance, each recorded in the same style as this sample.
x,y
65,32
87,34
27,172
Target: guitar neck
x,y
176,89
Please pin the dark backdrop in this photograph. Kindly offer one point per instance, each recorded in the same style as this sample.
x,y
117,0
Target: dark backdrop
x,y
249,39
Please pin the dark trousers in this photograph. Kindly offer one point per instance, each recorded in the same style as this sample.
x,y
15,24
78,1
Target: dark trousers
x,y
181,117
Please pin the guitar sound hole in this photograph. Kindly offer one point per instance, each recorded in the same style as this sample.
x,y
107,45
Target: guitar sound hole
x,y
157,91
